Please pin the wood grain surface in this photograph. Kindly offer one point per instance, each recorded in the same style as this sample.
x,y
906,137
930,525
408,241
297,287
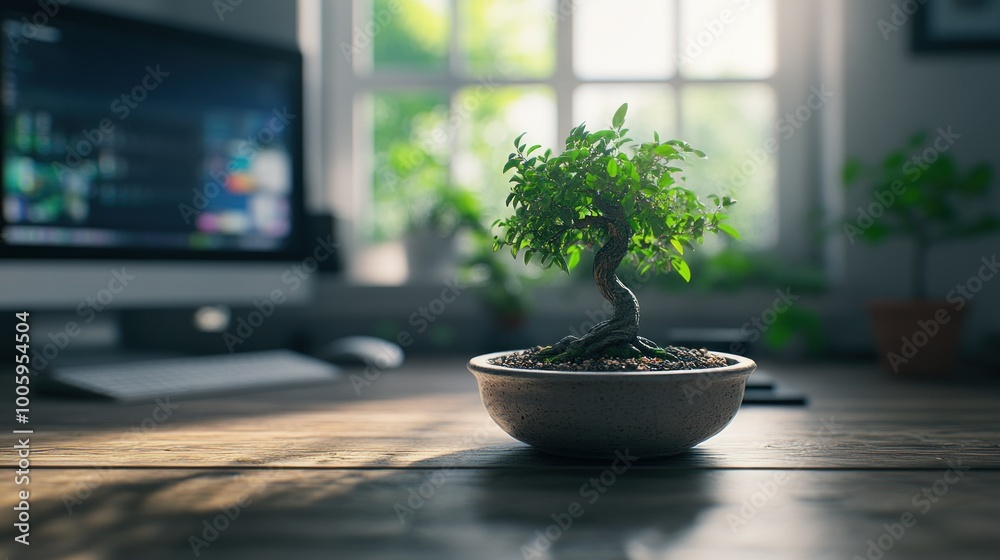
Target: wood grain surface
x,y
412,467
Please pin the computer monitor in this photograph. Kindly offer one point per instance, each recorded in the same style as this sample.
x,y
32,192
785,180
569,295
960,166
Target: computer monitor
x,y
172,155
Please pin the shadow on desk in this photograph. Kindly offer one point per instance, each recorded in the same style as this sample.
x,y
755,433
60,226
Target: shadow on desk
x,y
584,510
581,508
553,510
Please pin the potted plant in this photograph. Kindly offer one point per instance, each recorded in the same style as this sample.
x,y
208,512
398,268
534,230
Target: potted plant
x,y
432,230
919,194
609,390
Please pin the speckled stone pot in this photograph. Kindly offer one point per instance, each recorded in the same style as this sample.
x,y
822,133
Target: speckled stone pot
x,y
594,414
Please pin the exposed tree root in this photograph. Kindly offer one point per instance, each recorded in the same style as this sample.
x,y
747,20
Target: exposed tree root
x,y
604,345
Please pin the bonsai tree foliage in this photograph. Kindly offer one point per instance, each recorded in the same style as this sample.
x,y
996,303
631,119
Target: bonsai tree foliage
x,y
629,203
925,200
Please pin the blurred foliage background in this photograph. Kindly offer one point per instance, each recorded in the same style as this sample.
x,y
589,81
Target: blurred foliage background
x,y
439,144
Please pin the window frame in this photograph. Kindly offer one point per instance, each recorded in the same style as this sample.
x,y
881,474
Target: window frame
x,y
346,167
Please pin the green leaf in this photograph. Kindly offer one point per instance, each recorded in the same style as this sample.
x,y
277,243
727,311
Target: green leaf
x,y
619,119
574,259
613,167
533,148
517,141
682,268
510,163
659,227
699,153
665,150
561,263
730,230
677,245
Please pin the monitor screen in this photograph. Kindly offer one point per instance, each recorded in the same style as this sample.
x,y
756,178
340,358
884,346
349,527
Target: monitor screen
x,y
122,138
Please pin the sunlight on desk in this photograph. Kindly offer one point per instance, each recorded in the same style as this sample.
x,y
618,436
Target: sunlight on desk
x,y
416,465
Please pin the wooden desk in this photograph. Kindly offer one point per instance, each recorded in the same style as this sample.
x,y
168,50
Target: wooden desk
x,y
413,468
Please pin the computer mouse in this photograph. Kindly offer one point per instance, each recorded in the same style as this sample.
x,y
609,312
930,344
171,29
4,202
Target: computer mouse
x,y
362,350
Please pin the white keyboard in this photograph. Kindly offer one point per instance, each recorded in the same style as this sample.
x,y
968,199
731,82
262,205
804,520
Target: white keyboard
x,y
150,379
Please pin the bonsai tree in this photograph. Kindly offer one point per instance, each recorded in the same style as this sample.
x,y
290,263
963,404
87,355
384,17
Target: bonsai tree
x,y
921,199
603,191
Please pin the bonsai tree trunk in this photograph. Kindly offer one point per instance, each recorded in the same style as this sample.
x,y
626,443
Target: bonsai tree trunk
x,y
617,336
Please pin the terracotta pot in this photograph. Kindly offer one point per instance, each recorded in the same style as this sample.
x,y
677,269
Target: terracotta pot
x,y
916,337
598,414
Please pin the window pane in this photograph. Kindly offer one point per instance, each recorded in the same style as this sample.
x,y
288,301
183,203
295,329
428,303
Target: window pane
x,y
487,122
727,39
623,39
410,159
734,125
508,37
402,35
650,108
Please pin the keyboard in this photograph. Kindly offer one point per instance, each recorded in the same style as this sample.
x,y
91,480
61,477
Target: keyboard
x,y
150,379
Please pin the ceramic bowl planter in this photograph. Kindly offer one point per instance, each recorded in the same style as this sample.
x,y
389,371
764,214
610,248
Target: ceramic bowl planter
x,y
594,414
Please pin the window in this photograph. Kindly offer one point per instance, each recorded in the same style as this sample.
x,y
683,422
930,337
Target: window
x,y
439,88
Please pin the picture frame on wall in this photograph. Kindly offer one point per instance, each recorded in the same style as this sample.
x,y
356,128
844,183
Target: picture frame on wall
x,y
955,25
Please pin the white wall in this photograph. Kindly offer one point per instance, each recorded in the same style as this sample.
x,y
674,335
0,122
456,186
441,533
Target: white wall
x,y
891,93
